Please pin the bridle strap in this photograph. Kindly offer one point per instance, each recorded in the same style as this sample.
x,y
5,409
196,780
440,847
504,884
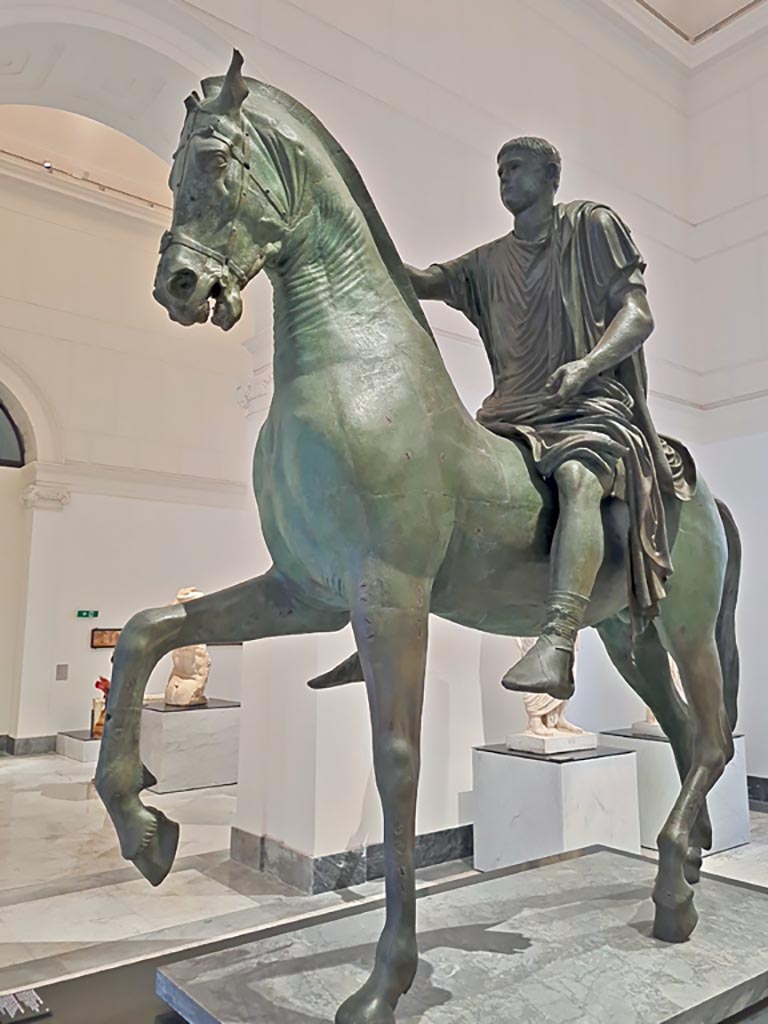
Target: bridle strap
x,y
179,238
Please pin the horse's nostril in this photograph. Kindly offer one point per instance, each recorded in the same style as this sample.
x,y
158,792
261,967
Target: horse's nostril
x,y
182,284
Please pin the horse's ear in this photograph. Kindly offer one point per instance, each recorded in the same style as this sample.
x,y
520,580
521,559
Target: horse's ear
x,y
192,102
233,91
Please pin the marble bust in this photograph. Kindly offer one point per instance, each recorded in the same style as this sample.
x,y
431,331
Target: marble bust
x,y
191,665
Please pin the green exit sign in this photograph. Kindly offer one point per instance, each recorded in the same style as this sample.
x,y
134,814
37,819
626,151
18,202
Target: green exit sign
x,y
82,614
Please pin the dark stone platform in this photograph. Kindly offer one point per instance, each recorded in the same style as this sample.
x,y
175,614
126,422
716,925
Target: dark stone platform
x,y
210,705
563,942
561,757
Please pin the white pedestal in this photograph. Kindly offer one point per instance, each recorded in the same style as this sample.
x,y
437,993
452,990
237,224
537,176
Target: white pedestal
x,y
659,786
78,745
560,743
191,748
526,806
645,729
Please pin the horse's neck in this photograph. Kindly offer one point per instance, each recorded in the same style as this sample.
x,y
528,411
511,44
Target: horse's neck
x,y
335,301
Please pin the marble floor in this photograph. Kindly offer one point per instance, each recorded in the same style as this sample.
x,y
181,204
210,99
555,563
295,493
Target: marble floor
x,y
70,905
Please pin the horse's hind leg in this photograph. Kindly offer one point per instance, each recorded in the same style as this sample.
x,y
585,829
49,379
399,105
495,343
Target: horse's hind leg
x,y
266,606
391,636
699,665
649,675
687,625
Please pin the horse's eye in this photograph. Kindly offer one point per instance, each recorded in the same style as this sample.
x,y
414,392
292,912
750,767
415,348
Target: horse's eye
x,y
214,160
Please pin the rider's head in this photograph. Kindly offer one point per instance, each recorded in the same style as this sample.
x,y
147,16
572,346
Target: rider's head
x,y
528,168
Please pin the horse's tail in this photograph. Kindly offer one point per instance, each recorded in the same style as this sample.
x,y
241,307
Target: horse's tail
x,y
725,630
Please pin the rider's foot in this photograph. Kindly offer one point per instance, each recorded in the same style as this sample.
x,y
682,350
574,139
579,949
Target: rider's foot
x,y
546,668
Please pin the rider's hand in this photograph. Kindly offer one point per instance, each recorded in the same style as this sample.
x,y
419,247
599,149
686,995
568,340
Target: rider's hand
x,y
568,380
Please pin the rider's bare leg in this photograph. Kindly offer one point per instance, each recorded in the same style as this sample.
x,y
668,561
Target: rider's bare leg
x,y
577,554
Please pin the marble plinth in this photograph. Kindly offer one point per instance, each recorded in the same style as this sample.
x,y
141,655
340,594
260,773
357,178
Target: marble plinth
x,y
527,806
643,728
561,942
79,745
659,786
560,743
191,747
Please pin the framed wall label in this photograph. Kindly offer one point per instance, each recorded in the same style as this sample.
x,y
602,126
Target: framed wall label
x,y
104,637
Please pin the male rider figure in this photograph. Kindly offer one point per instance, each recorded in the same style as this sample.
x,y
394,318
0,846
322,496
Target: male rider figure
x,y
561,307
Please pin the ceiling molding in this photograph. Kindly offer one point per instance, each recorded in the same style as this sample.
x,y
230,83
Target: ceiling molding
x,y
691,50
714,25
21,168
140,484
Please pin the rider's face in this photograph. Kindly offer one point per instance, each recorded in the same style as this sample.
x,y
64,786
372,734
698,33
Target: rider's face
x,y
523,177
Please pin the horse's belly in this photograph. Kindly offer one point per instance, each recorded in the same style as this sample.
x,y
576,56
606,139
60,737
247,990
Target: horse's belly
x,y
496,574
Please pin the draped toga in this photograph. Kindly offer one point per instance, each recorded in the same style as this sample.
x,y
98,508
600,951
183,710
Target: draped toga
x,y
539,305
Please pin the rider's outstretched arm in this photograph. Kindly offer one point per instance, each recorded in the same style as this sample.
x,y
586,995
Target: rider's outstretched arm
x,y
432,283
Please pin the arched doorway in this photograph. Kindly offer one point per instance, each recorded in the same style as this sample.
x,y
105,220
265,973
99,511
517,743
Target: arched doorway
x,y
13,557
11,441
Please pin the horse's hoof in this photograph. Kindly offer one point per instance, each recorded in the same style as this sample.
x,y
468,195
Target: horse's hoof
x,y
546,668
675,925
362,1008
692,866
155,859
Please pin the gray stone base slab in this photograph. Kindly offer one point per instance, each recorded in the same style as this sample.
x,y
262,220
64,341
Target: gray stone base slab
x,y
30,746
349,867
564,941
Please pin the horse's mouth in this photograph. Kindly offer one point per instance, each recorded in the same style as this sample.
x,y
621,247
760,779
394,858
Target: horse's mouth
x,y
227,304
222,305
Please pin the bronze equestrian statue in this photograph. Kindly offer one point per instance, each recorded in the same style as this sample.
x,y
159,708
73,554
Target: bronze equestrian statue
x,y
382,500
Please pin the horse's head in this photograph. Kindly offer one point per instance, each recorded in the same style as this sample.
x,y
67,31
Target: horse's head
x,y
232,206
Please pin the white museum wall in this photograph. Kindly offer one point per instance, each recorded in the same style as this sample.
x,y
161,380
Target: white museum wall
x,y
125,386
737,471
118,556
13,559
728,202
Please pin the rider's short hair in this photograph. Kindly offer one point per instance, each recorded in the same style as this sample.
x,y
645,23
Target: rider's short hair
x,y
540,147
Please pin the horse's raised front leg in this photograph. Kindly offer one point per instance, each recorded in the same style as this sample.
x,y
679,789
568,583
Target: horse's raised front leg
x,y
266,606
391,631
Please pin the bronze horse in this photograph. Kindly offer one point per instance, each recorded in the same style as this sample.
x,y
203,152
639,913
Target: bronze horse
x,y
383,501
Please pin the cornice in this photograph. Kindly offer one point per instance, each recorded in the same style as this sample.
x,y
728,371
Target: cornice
x,y
19,168
48,478
690,54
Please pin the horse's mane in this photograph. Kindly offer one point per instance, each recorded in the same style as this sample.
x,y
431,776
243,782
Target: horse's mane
x,y
352,178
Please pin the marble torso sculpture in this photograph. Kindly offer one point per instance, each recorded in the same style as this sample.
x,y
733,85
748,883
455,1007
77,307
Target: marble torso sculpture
x,y
191,665
382,500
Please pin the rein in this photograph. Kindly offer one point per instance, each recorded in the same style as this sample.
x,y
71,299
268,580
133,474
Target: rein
x,y
223,257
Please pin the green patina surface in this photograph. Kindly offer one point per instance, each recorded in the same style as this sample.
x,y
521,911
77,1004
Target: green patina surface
x,y
382,501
